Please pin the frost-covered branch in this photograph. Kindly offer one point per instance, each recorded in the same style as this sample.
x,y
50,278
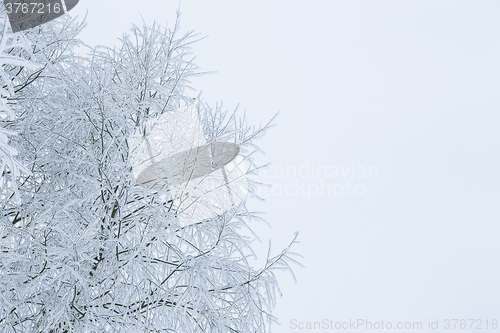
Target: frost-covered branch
x,y
88,249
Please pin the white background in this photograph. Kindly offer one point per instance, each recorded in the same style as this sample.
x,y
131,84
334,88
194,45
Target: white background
x,y
409,87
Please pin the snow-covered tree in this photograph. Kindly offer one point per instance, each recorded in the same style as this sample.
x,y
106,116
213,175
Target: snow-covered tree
x,y
87,250
14,53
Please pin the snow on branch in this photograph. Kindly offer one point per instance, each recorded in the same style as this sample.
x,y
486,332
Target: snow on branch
x,y
10,168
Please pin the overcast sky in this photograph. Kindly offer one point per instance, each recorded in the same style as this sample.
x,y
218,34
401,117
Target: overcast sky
x,y
407,90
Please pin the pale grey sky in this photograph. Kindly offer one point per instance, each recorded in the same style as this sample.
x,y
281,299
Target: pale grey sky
x,y
411,88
